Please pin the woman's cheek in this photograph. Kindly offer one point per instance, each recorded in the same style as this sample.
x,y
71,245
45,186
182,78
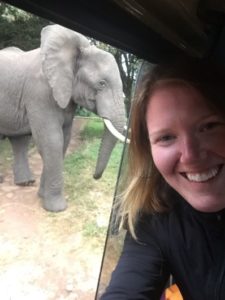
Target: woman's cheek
x,y
165,158
215,143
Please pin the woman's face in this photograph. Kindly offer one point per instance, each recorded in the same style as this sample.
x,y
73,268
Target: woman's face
x,y
187,141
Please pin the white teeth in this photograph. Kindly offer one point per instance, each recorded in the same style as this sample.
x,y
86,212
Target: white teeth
x,y
201,177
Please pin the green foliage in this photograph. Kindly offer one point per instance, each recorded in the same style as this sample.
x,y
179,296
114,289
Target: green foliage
x,y
83,112
93,129
19,28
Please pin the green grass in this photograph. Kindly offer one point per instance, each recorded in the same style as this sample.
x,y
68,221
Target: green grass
x,y
92,199
92,130
91,229
84,159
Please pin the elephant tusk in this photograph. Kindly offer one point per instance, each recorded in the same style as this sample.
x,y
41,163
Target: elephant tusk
x,y
115,132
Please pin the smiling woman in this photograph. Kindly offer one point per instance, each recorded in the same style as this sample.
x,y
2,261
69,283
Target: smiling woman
x,y
188,147
174,205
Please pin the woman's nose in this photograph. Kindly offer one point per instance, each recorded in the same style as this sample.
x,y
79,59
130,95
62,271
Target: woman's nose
x,y
192,150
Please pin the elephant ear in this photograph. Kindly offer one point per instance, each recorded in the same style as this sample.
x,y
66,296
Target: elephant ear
x,y
60,48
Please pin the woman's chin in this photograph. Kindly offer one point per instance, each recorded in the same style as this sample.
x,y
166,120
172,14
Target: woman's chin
x,y
209,205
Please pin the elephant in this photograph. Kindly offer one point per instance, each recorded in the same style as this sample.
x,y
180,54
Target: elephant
x,y
40,90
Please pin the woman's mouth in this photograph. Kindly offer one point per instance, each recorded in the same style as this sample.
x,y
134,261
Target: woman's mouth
x,y
203,176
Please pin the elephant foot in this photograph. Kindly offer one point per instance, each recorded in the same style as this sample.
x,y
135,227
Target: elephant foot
x,y
54,204
97,176
25,183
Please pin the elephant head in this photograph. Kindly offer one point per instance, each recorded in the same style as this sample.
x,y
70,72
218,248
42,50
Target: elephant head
x,y
88,76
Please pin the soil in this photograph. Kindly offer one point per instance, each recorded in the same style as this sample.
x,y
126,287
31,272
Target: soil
x,y
40,258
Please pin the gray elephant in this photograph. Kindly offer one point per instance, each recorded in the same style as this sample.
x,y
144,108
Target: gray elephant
x,y
40,90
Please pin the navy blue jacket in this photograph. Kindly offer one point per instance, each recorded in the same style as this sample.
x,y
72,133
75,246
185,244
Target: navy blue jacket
x,y
186,243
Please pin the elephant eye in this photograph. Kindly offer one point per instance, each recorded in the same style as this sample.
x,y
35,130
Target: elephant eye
x,y
102,84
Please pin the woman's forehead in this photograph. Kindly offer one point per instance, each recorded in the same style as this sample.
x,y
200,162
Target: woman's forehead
x,y
172,82
177,98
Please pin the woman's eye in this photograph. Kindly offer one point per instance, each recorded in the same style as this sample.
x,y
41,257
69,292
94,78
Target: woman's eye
x,y
165,138
209,126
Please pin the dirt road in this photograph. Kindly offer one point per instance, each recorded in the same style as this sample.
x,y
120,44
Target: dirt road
x,y
40,257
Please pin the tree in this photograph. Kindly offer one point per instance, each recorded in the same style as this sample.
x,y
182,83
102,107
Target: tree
x,y
19,28
128,65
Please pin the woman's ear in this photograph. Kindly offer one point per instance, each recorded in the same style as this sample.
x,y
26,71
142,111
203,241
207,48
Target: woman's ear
x,y
60,49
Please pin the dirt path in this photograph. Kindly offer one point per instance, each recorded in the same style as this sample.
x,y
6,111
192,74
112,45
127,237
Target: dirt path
x,y
38,259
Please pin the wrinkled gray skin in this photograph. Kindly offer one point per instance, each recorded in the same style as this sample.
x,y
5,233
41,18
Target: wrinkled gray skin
x,y
40,90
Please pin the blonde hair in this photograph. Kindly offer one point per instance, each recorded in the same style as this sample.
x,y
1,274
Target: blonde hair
x,y
146,190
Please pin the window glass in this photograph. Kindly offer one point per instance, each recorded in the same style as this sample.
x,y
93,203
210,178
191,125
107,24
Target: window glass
x,y
115,237
51,248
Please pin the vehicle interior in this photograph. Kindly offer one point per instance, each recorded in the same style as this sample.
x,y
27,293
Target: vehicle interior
x,y
153,30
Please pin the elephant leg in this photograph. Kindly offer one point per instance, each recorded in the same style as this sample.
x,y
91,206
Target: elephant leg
x,y
21,170
66,137
51,187
67,127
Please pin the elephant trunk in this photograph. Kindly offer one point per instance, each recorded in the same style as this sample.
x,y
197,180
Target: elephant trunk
x,y
108,142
